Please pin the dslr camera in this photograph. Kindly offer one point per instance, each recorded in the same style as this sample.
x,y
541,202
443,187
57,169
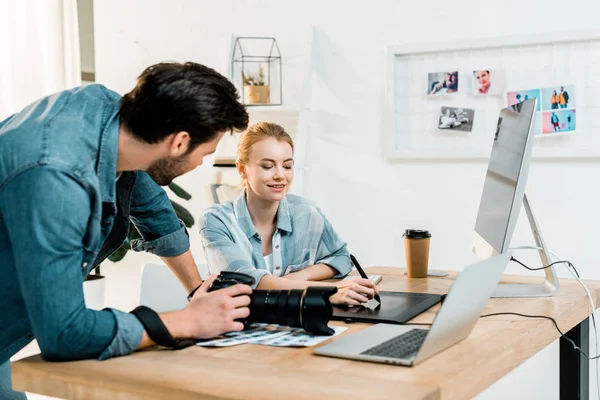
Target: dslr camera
x,y
308,308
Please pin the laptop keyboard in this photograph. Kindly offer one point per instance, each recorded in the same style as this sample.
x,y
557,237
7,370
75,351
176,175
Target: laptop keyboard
x,y
402,346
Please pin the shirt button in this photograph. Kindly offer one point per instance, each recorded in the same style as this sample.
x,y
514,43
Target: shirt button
x,y
84,265
277,267
277,246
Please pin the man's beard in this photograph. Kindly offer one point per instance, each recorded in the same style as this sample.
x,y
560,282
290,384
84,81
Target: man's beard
x,y
164,170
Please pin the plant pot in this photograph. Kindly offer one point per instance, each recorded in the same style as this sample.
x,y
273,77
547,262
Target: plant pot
x,y
257,94
93,291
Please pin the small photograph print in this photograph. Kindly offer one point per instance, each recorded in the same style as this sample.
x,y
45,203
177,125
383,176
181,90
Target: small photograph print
x,y
456,119
558,97
442,83
559,121
488,82
520,96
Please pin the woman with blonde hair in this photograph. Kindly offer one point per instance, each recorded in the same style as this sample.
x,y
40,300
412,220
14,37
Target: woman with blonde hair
x,y
282,240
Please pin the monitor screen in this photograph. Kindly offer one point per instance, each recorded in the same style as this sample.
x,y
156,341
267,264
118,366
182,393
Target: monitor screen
x,y
506,176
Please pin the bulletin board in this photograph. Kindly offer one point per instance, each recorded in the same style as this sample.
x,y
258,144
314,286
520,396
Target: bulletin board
x,y
521,65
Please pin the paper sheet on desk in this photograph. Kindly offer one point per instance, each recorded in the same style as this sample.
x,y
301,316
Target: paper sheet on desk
x,y
270,335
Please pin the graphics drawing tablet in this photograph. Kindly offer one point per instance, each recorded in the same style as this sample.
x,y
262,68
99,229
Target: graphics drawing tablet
x,y
395,308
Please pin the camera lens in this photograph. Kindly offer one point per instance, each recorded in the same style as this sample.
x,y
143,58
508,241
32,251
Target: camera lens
x,y
309,308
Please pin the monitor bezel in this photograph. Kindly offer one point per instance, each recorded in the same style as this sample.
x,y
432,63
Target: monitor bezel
x,y
481,247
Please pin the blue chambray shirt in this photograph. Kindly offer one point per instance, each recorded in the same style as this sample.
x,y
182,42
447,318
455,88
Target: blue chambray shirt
x,y
303,237
61,213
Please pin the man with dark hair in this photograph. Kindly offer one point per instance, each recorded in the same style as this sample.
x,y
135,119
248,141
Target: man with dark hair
x,y
564,97
75,168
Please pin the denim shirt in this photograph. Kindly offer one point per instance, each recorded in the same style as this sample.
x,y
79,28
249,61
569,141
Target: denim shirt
x,y
62,212
303,237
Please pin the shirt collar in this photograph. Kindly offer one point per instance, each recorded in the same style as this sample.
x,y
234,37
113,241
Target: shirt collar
x,y
284,220
240,207
107,155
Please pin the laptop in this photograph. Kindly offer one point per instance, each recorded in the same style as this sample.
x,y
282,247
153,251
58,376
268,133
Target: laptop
x,y
409,345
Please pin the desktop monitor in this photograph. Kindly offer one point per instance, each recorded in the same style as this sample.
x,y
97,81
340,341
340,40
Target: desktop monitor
x,y
505,180
504,194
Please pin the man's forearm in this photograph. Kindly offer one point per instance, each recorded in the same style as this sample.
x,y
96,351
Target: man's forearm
x,y
175,324
185,269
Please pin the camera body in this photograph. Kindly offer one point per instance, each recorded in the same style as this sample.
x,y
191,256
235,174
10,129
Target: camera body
x,y
308,308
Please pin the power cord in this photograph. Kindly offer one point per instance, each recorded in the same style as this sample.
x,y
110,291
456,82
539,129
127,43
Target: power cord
x,y
569,264
573,271
562,334
555,324
547,266
529,316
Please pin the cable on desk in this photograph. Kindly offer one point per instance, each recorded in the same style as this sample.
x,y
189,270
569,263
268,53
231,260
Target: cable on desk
x,y
573,271
555,324
547,266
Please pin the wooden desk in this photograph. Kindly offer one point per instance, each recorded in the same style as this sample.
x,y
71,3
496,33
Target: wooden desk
x,y
495,347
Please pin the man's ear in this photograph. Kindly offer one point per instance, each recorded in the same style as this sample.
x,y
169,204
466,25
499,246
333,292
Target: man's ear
x,y
178,143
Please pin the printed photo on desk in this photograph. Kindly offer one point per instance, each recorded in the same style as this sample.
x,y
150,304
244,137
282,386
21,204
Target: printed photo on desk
x,y
270,335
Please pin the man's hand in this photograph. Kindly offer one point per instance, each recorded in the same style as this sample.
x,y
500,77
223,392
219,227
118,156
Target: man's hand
x,y
437,87
211,314
354,292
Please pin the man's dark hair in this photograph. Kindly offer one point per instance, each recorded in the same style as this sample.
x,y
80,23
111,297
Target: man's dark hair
x,y
175,97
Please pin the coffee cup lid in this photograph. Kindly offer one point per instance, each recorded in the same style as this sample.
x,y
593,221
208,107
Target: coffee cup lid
x,y
416,234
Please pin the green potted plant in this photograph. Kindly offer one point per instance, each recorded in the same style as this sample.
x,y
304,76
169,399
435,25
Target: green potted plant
x,y
255,87
93,287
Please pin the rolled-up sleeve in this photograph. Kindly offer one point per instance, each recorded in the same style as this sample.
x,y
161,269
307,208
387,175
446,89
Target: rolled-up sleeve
x,y
153,215
128,337
170,245
332,250
221,250
47,240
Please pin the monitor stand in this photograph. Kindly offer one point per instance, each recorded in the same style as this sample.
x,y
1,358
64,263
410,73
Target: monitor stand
x,y
550,284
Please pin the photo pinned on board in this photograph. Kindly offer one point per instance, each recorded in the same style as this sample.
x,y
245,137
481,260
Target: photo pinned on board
x,y
442,83
488,82
559,121
513,98
456,119
558,97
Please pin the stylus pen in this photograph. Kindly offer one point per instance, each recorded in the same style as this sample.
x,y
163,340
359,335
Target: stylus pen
x,y
363,274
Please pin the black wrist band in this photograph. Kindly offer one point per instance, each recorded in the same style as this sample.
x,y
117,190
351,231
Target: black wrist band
x,y
189,297
157,330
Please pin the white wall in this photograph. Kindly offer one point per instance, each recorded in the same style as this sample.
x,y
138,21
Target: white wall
x,y
85,13
348,175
